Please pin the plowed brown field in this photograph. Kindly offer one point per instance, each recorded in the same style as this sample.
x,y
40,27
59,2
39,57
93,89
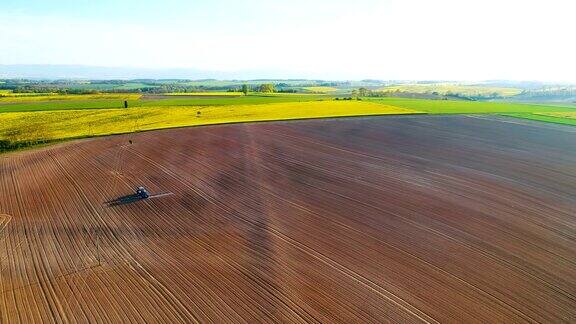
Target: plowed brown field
x,y
383,219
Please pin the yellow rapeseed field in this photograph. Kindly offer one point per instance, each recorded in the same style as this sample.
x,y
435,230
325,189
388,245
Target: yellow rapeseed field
x,y
9,93
568,115
213,93
445,88
30,97
320,89
48,125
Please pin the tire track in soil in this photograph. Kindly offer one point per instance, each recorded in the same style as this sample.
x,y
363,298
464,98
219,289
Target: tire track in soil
x,y
259,183
157,286
349,273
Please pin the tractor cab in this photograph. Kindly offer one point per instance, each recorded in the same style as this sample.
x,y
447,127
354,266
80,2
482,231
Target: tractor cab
x,y
142,193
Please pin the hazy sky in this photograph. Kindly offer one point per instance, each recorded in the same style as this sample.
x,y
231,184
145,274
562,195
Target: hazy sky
x,y
383,39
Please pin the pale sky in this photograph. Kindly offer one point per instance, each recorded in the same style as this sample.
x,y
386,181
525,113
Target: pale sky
x,y
327,39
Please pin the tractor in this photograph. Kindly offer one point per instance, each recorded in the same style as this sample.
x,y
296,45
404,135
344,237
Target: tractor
x,y
142,193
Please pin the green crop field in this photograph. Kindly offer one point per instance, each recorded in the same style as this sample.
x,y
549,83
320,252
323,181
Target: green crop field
x,y
565,118
62,105
559,114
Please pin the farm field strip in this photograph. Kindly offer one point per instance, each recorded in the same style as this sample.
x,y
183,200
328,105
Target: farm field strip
x,y
320,89
61,106
550,113
469,107
447,88
207,93
56,125
407,219
21,98
562,117
161,100
29,124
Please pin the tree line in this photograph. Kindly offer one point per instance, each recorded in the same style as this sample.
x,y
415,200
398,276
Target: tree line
x,y
152,88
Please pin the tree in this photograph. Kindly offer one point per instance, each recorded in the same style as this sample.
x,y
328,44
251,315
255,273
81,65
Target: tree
x,y
267,87
5,145
363,92
245,89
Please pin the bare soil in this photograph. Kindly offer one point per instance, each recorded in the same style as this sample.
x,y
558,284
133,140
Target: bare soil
x,y
381,219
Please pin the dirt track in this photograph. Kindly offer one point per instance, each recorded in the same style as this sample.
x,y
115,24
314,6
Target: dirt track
x,y
401,219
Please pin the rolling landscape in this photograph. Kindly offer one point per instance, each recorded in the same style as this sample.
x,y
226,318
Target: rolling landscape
x,y
326,220
265,162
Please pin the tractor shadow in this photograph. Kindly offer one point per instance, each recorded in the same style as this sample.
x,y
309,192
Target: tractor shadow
x,y
124,200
